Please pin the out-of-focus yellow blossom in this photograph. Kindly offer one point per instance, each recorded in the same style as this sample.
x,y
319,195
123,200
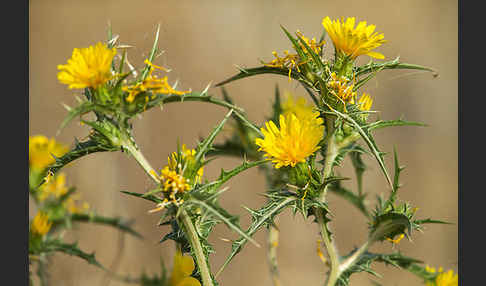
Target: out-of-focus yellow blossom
x,y
75,206
443,278
55,188
352,41
296,139
41,150
40,224
87,67
187,155
298,106
182,270
339,87
364,102
151,83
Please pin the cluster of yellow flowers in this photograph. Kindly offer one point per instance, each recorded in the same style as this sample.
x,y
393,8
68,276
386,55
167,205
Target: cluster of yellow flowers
x,y
153,83
443,278
172,181
91,67
300,131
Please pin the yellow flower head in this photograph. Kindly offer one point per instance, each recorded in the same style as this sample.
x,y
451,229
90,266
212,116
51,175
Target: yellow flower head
x,y
41,150
296,139
315,47
443,278
187,155
55,188
297,106
173,182
41,224
87,67
352,41
340,88
182,270
289,61
364,102
151,83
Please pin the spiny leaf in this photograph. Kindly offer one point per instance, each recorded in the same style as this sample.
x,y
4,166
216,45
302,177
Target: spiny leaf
x,y
261,217
220,213
357,201
385,123
393,64
259,70
152,53
151,198
72,249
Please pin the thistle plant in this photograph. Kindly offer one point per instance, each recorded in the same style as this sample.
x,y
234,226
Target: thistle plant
x,y
297,149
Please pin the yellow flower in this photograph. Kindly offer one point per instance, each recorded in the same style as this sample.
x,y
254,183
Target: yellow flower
x,y
87,67
173,182
72,204
56,188
339,87
315,47
352,41
443,278
187,155
296,139
182,270
151,83
397,240
41,224
289,61
41,150
364,102
297,106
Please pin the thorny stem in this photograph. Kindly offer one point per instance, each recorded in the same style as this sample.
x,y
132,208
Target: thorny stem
x,y
273,233
331,154
184,217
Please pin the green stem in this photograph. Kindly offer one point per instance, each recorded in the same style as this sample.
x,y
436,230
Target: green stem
x,y
331,154
189,228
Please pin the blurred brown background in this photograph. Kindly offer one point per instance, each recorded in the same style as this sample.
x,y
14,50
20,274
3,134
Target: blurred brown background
x,y
203,40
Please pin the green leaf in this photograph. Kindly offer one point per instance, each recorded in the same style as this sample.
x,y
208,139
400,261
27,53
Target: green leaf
x,y
71,249
152,54
429,220
260,218
368,138
244,73
151,198
386,123
80,149
394,64
116,222
224,216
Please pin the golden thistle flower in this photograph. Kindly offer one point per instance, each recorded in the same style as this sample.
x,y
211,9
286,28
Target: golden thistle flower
x,y
187,155
41,224
364,102
297,106
340,88
352,41
182,270
151,83
55,188
87,67
443,278
315,47
296,139
289,61
41,150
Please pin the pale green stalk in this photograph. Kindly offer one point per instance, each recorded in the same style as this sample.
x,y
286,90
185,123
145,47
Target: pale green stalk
x,y
184,217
